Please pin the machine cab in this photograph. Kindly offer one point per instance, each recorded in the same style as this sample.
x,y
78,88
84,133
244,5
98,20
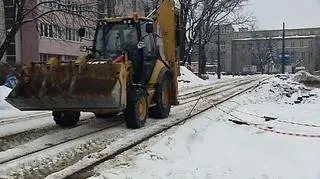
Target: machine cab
x,y
132,35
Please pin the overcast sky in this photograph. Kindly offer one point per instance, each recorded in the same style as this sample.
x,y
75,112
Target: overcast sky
x,y
296,13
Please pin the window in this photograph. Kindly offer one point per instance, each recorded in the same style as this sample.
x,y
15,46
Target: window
x,y
9,12
301,43
303,55
293,44
9,23
11,59
45,30
11,50
50,27
223,55
223,44
73,35
8,2
148,39
310,44
43,57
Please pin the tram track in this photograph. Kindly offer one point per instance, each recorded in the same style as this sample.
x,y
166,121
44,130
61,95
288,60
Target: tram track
x,y
10,160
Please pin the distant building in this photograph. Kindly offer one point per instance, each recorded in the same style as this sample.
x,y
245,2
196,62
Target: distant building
x,y
243,49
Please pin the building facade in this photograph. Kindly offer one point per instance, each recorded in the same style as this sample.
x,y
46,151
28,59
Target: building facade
x,y
2,27
261,50
41,40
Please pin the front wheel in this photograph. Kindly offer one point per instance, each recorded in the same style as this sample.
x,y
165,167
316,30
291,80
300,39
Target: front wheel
x,y
136,112
66,118
162,97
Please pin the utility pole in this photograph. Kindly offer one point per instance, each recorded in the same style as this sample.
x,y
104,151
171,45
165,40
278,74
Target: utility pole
x,y
199,56
110,7
218,55
283,48
134,5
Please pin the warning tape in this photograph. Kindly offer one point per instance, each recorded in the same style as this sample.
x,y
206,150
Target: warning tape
x,y
297,123
288,133
239,121
275,119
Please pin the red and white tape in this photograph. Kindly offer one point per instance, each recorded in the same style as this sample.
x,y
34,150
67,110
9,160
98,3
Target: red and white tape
x,y
299,124
289,133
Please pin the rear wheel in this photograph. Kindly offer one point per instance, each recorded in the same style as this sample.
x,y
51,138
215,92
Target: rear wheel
x,y
66,118
136,112
163,105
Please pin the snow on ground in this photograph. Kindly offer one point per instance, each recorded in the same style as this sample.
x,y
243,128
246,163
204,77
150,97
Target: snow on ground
x,y
210,146
188,80
7,110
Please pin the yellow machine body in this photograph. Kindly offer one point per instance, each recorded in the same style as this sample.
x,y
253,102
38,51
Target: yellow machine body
x,y
95,85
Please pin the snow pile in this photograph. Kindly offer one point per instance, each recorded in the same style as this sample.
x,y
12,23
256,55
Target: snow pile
x,y
7,110
305,77
187,79
4,92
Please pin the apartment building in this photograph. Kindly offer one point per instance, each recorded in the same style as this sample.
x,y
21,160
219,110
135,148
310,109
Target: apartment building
x,y
47,39
40,41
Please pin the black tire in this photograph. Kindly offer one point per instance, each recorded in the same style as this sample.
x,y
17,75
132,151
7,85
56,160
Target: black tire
x,y
162,108
105,115
66,118
136,112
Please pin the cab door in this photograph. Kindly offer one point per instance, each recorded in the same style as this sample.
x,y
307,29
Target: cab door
x,y
149,52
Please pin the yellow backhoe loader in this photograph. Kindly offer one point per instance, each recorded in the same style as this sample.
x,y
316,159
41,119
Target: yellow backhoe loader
x,y
123,71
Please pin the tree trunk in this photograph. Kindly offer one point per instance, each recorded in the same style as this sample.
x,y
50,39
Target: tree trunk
x,y
9,38
182,33
203,59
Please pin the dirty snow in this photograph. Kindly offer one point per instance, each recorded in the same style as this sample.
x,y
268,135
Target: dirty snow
x,y
210,146
303,76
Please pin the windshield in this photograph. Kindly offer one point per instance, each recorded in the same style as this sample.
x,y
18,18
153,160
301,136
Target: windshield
x,y
111,39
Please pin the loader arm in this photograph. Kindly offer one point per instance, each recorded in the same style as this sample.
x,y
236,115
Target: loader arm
x,y
165,17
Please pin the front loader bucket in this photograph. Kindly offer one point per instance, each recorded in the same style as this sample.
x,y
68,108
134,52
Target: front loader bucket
x,y
82,86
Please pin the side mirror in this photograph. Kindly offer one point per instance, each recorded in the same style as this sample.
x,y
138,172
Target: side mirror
x,y
141,45
149,28
82,32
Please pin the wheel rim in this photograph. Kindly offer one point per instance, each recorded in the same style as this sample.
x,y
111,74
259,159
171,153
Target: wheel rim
x,y
141,108
165,96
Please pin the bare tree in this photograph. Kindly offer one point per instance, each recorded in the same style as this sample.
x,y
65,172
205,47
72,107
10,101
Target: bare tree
x,y
263,50
52,12
206,14
316,53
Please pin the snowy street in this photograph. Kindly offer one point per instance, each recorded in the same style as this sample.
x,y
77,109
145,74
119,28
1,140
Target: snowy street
x,y
265,132
210,146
